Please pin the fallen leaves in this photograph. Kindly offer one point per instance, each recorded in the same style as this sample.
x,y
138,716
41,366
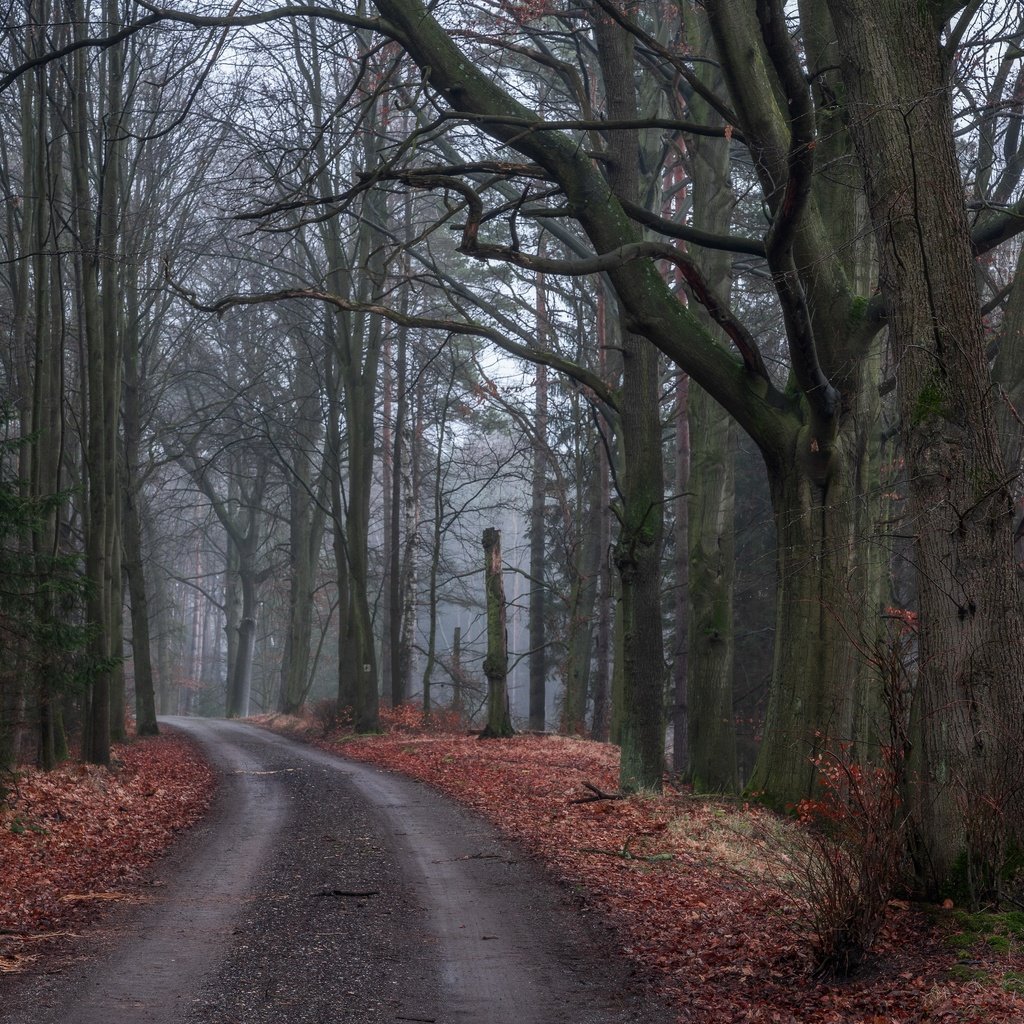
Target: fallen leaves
x,y
688,891
74,837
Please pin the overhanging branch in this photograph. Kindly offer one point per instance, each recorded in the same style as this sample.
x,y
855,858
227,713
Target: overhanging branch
x,y
578,373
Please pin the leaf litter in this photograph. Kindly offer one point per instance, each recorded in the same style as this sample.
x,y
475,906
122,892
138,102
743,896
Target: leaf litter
x,y
699,893
76,839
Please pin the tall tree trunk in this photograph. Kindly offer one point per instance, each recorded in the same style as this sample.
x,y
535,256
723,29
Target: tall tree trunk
x,y
437,545
603,654
822,466
346,694
399,568
142,659
538,531
638,550
118,697
681,588
499,723
391,495
44,443
586,571
305,527
710,541
711,729
970,753
412,487
99,281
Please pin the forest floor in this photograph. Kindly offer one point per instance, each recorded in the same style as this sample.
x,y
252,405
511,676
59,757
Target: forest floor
x,y
703,896
707,896
76,840
318,888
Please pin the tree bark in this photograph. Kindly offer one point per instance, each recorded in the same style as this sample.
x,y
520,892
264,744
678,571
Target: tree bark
x,y
680,716
638,549
499,722
969,689
710,541
538,531
586,571
142,658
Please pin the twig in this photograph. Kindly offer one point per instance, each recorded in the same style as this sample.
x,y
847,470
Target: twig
x,y
627,854
598,794
354,893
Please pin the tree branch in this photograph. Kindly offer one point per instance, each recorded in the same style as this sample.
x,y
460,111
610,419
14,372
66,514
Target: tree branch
x,y
706,239
823,397
997,227
534,355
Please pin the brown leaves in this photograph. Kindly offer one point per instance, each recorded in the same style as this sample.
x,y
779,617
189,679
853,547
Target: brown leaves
x,y
711,923
76,834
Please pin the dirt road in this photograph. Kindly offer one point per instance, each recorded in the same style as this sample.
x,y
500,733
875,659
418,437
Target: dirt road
x,y
320,890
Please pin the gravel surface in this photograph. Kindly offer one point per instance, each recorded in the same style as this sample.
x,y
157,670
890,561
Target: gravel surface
x,y
321,890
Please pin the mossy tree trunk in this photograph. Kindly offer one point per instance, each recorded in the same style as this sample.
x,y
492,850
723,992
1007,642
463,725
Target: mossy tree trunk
x,y
42,170
305,527
970,748
711,485
640,506
499,722
711,729
97,218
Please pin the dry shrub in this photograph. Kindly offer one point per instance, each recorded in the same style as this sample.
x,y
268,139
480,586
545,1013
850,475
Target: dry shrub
x,y
329,718
851,853
840,862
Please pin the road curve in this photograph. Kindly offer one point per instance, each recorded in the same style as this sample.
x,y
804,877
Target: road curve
x,y
322,890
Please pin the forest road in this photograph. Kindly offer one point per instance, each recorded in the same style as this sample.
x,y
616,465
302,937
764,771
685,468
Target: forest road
x,y
320,890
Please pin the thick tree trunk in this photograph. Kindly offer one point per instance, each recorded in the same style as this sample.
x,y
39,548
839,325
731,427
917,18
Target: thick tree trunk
x,y
711,729
240,684
710,541
827,610
970,688
638,550
142,659
98,291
